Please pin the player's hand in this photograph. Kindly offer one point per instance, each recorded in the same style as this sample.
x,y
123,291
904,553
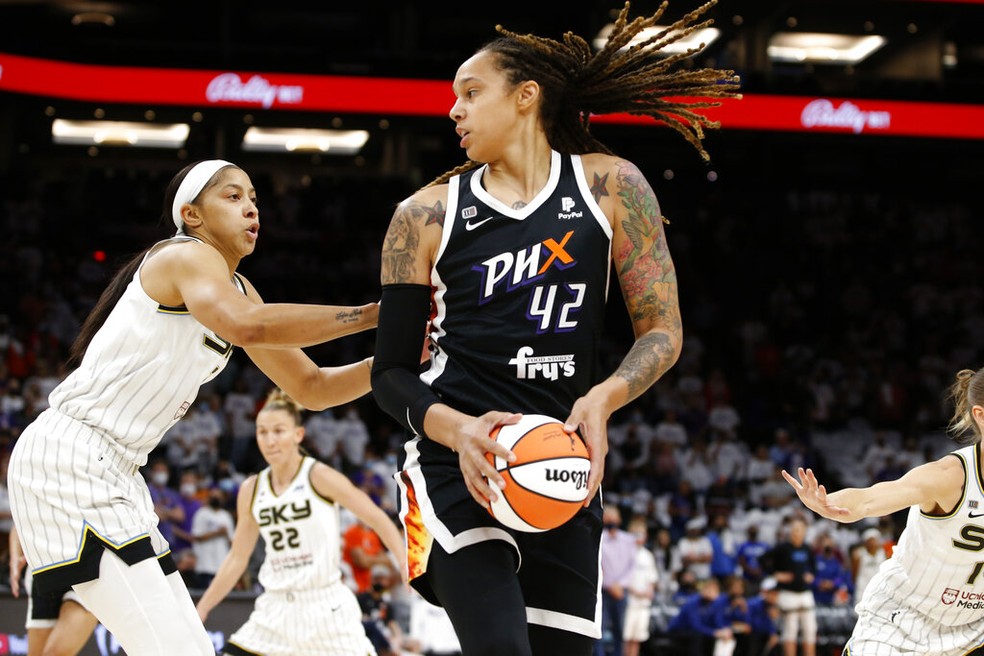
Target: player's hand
x,y
813,495
16,568
472,442
589,417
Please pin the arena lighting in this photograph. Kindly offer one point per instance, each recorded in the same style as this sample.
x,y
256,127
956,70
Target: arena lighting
x,y
822,47
333,142
119,133
694,40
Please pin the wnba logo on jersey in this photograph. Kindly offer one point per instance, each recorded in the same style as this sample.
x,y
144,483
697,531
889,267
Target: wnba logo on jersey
x,y
548,367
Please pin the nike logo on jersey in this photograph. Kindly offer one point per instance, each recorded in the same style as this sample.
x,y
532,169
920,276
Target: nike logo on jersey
x,y
471,226
974,515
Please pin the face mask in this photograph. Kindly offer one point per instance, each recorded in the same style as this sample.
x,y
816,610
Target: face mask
x,y
159,478
378,587
215,503
610,526
188,489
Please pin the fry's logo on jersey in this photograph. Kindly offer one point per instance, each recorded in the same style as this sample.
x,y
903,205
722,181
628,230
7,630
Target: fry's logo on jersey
x,y
524,266
289,512
549,367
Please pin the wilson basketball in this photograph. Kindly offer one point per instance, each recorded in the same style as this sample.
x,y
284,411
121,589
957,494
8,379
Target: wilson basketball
x,y
548,481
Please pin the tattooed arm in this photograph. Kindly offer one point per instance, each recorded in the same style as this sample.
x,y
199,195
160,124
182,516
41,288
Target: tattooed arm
x,y
409,250
648,281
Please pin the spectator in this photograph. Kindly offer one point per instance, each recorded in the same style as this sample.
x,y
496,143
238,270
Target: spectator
x,y
167,502
670,431
866,558
696,549
618,557
641,589
191,502
240,413
431,628
750,553
701,623
832,585
324,432
211,529
724,560
763,615
794,568
354,436
669,564
362,549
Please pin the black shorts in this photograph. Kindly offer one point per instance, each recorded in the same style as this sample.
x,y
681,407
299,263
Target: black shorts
x,y
558,570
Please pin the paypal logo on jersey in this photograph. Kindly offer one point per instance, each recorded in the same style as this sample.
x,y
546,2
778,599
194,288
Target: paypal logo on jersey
x,y
566,206
526,265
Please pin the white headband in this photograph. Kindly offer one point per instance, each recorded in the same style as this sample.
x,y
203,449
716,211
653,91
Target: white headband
x,y
192,185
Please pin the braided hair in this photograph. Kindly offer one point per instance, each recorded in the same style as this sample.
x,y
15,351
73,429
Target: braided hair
x,y
576,82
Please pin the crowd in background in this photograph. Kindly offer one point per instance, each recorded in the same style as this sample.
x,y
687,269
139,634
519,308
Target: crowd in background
x,y
822,329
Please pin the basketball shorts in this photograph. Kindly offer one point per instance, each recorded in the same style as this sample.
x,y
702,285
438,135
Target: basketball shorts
x,y
317,622
558,570
43,608
74,494
885,627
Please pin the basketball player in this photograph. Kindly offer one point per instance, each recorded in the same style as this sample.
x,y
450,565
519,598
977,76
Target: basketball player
x,y
511,253
57,624
305,607
165,325
928,597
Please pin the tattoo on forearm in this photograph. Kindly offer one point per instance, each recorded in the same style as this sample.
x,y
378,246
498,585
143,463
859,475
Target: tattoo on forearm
x,y
647,360
403,239
348,316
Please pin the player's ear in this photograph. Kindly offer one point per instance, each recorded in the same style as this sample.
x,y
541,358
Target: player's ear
x,y
528,95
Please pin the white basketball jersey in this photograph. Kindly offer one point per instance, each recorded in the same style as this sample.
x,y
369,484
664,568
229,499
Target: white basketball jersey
x,y
300,530
141,371
938,565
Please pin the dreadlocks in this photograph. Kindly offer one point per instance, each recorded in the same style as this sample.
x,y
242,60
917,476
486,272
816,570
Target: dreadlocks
x,y
576,82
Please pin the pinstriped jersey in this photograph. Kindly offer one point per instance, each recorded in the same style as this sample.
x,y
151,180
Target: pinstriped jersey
x,y
141,371
519,295
937,567
300,530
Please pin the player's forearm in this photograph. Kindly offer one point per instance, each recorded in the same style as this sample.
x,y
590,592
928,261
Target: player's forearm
x,y
291,325
225,580
650,357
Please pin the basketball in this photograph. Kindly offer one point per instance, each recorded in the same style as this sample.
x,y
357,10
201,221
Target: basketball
x,y
548,481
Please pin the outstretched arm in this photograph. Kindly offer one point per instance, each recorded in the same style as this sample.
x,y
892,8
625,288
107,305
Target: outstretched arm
x,y
333,485
934,487
649,286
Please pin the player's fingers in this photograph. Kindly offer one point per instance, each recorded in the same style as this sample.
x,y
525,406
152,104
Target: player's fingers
x,y
791,480
473,490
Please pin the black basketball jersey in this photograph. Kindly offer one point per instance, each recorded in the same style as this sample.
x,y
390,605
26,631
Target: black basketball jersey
x,y
519,296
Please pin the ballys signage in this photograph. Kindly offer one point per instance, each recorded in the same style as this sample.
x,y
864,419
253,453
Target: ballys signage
x,y
821,113
257,90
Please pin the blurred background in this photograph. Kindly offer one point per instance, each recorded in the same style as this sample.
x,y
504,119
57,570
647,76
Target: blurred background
x,y
829,276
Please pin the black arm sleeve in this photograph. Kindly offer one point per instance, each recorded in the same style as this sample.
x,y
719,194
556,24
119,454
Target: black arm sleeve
x,y
396,385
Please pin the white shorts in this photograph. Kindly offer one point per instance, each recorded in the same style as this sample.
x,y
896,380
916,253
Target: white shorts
x,y
72,494
635,625
318,622
894,630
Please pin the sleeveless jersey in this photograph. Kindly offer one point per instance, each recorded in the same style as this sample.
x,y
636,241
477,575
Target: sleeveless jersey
x,y
300,530
937,567
519,296
141,371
